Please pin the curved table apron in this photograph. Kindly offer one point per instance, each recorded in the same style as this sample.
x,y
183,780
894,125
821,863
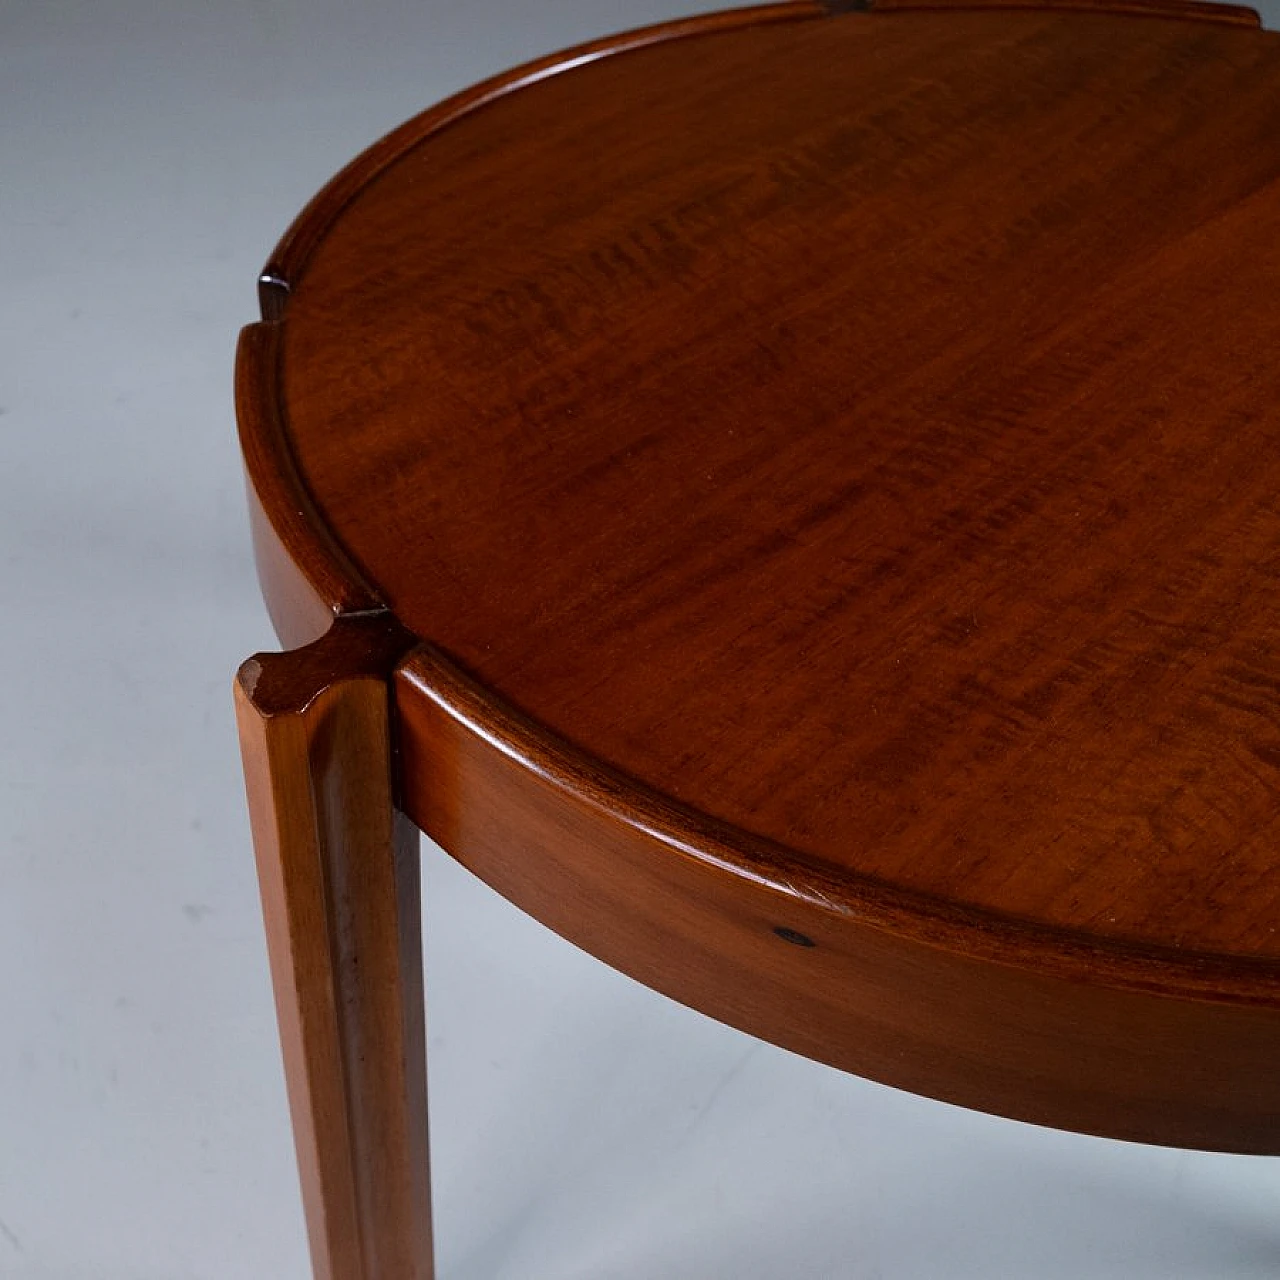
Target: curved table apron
x,y
812,478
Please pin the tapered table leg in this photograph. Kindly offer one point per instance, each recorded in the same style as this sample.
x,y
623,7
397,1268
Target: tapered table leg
x,y
338,868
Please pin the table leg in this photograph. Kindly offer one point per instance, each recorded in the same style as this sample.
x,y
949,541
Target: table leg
x,y
339,874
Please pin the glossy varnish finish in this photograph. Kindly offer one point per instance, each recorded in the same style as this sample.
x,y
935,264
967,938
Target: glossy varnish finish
x,y
1036,1027
871,446
819,470
338,867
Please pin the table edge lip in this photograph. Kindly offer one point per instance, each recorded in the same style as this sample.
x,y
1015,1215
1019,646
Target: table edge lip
x,y
284,269
835,894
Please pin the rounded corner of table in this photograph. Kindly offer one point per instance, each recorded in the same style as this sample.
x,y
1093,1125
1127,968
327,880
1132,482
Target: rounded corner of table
x,y
306,578
285,268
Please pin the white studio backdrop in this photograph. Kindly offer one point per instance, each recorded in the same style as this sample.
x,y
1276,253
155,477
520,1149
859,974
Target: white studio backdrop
x,y
583,1128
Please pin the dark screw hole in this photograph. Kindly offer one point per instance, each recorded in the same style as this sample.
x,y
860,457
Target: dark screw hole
x,y
796,939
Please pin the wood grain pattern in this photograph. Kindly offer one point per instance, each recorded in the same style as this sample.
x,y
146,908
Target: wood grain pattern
x,y
875,455
829,466
930,1002
338,869
293,252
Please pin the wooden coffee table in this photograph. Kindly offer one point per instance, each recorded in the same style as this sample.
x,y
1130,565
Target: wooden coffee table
x,y
791,499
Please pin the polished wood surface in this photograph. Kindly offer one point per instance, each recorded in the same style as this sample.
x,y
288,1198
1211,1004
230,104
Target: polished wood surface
x,y
825,464
338,867
1033,1027
877,453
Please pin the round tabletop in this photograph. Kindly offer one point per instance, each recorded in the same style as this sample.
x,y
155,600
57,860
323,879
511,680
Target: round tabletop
x,y
851,442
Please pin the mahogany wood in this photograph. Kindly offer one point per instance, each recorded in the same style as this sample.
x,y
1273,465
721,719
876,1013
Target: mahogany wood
x,y
821,464
1040,1028
949,566
307,580
338,868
